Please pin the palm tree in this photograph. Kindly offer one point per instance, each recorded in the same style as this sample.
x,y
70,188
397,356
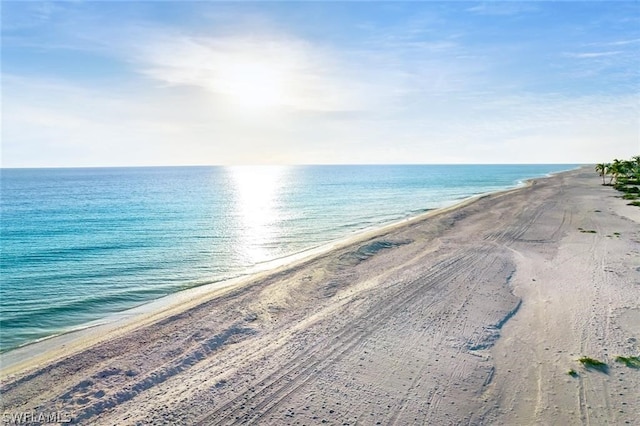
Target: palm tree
x,y
628,165
626,175
616,169
602,169
636,168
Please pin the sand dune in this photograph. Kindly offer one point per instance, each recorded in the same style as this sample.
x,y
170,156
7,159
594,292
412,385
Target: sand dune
x,y
472,315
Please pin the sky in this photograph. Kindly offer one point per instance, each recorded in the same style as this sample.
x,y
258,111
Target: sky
x,y
126,83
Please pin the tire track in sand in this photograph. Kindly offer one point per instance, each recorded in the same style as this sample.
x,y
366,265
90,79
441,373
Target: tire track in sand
x,y
276,387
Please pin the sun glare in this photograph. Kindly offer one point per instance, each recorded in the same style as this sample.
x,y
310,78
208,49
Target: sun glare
x,y
253,84
258,191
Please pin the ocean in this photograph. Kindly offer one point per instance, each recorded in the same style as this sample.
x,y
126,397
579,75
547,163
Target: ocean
x,y
81,244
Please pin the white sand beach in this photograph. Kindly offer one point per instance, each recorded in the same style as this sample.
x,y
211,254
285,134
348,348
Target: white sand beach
x,y
469,315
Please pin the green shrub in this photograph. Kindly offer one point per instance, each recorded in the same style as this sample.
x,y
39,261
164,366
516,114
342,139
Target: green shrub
x,y
591,363
629,361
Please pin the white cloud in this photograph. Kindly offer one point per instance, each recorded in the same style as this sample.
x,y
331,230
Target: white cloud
x,y
588,55
52,124
294,73
503,8
393,97
624,42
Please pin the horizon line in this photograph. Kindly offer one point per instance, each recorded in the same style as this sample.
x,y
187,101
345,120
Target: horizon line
x,y
287,165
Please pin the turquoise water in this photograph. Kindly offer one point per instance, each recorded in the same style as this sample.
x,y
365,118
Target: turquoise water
x,y
80,244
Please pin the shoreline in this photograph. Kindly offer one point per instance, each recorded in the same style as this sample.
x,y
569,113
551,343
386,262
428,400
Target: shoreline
x,y
472,315
58,327
50,348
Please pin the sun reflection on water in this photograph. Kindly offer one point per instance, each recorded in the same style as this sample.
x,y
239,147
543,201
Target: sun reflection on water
x,y
258,206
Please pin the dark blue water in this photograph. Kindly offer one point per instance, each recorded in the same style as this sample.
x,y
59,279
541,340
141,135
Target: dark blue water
x,y
80,244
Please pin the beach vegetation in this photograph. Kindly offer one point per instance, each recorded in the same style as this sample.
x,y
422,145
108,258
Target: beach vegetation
x,y
602,169
630,189
616,169
624,176
629,361
572,373
593,364
587,231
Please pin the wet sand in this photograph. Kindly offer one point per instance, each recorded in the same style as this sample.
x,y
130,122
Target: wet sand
x,y
470,315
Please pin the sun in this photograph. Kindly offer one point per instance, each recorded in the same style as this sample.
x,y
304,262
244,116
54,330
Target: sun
x,y
253,84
